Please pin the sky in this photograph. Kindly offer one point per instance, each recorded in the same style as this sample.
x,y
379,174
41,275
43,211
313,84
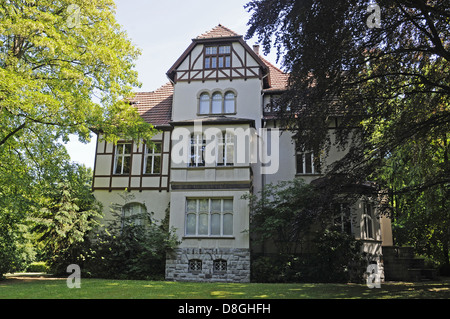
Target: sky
x,y
163,30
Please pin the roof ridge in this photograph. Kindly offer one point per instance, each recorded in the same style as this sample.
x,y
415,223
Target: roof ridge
x,y
217,32
162,87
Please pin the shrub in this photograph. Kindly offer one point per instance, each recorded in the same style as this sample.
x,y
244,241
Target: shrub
x,y
125,250
337,258
37,266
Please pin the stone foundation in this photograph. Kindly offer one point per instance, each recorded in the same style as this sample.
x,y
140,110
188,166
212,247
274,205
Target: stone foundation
x,y
209,265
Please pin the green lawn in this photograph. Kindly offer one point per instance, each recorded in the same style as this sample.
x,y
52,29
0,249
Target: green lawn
x,y
50,288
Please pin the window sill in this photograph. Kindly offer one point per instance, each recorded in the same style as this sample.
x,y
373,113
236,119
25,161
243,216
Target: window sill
x,y
215,114
206,237
210,167
303,174
369,240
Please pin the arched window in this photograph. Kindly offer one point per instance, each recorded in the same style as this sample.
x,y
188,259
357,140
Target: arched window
x,y
216,107
230,103
218,103
134,213
204,104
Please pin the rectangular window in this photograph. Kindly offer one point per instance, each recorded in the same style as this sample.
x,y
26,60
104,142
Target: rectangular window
x,y
224,49
122,159
198,145
220,266
195,265
152,163
306,164
368,221
342,218
209,217
227,61
225,151
207,63
217,57
211,50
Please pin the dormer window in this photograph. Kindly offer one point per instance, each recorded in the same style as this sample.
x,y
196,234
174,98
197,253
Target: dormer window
x,y
218,57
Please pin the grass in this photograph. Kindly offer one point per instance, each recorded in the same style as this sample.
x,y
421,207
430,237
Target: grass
x,y
53,288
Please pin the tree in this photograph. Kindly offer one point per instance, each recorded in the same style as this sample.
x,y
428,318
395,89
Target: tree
x,y
283,214
66,67
53,70
124,249
65,215
388,87
297,219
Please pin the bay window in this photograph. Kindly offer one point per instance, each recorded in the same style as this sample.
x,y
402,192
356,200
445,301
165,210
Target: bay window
x,y
209,217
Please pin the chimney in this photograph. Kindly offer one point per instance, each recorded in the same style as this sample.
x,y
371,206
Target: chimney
x,y
256,48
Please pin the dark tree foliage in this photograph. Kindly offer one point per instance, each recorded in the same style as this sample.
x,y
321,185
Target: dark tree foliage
x,y
388,89
392,83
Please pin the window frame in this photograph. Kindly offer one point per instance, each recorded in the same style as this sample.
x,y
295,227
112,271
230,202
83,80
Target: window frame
x,y
214,102
199,150
188,233
195,265
368,229
152,155
136,221
220,266
343,218
315,165
212,60
123,156
223,102
225,141
207,101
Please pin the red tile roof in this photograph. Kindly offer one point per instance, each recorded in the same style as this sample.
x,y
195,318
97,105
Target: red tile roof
x,y
218,32
278,79
155,107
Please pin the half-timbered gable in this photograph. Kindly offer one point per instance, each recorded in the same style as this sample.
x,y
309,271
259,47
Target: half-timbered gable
x,y
219,54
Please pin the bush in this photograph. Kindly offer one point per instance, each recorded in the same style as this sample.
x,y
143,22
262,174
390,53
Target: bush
x,y
265,269
125,250
37,266
338,258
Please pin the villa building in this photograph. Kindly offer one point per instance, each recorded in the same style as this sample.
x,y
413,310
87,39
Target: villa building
x,y
217,141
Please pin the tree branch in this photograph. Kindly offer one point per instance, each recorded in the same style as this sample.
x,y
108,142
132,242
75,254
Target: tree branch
x,y
22,126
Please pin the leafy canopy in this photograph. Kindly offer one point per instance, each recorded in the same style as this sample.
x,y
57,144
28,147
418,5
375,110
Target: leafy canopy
x,y
388,86
69,76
